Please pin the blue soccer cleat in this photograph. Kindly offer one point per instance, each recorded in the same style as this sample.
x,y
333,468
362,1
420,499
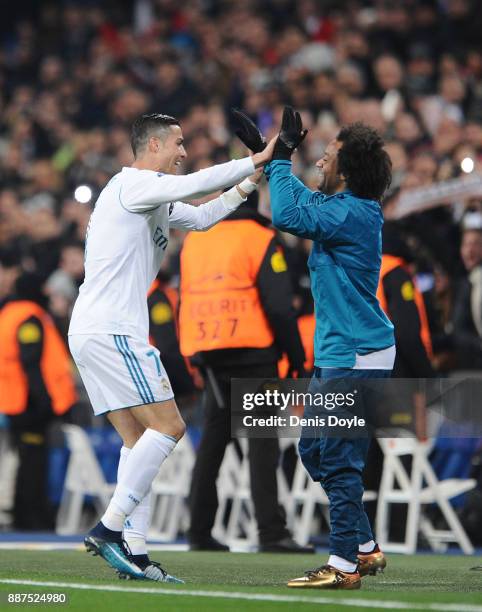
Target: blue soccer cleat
x,y
113,550
152,571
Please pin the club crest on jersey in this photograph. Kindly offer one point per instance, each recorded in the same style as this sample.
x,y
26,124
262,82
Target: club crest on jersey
x,y
159,239
166,387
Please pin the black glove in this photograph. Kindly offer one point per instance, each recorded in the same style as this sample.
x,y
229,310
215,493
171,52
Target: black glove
x,y
291,134
248,132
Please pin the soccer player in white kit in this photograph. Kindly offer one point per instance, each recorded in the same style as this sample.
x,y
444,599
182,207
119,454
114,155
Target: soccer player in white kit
x,y
127,236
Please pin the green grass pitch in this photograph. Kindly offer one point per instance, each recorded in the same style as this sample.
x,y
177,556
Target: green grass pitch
x,y
241,582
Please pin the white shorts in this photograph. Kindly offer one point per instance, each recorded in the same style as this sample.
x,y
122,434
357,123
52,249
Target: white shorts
x,y
119,371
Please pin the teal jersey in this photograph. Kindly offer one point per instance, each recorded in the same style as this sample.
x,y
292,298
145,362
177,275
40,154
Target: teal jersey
x,y
344,265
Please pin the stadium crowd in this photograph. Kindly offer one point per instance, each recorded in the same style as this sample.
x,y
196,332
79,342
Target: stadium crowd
x,y
75,75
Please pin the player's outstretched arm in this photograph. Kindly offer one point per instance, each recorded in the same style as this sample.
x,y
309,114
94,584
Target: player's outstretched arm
x,y
201,218
299,211
152,189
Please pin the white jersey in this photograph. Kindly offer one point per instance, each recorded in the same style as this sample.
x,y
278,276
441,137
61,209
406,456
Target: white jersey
x,y
127,238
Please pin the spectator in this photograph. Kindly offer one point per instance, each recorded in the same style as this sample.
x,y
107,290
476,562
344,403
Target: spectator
x,y
62,286
440,313
402,301
36,385
467,318
229,340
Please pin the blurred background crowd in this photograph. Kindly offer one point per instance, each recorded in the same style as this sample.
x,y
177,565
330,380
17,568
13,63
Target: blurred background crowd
x,y
74,76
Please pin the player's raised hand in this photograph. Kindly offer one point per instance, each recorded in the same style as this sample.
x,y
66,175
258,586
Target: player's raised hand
x,y
265,156
291,134
248,132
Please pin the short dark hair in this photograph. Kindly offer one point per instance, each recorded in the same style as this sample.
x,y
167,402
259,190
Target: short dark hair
x,y
145,126
363,161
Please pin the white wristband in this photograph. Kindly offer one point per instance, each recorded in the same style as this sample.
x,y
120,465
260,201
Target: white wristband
x,y
248,186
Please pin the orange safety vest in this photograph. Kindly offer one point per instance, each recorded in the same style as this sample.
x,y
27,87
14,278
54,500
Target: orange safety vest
x,y
55,364
389,263
306,327
220,305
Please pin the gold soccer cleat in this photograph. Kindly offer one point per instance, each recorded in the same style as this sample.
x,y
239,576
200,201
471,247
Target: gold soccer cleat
x,y
371,563
327,577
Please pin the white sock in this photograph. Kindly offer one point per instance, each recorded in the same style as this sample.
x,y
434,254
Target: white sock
x,y
341,564
367,547
136,524
141,467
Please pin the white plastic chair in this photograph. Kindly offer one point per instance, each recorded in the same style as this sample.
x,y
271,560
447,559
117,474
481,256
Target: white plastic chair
x,y
234,493
8,470
84,477
417,489
239,528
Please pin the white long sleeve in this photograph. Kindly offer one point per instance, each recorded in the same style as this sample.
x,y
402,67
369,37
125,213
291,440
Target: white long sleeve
x,y
147,189
201,218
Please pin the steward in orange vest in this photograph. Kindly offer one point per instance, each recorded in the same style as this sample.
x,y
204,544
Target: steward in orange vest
x,y
402,301
162,303
236,318
236,296
36,380
36,384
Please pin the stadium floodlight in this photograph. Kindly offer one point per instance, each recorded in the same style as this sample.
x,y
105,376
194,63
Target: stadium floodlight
x,y
467,165
83,194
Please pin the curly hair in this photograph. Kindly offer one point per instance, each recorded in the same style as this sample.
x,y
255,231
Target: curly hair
x,y
363,161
